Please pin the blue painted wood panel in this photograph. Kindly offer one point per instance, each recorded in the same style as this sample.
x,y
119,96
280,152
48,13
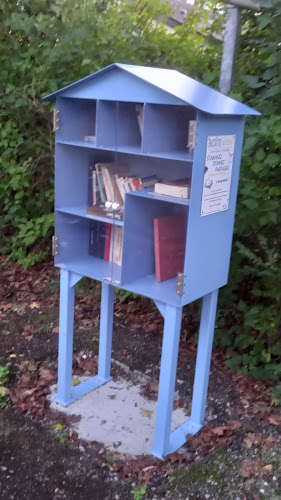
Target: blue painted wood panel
x,y
209,238
164,86
106,124
119,86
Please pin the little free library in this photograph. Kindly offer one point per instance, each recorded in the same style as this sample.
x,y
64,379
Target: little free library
x,y
146,175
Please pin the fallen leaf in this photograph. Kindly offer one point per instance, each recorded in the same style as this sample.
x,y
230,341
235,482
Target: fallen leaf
x,y
25,334
86,322
248,443
55,330
250,468
274,420
220,430
5,307
269,442
46,374
34,305
267,467
235,425
12,356
3,391
75,382
153,386
145,413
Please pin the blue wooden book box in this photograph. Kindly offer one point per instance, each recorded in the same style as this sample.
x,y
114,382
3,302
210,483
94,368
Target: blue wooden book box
x,y
187,130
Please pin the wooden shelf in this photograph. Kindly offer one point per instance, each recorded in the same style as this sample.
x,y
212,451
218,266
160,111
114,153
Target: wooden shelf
x,y
149,194
90,266
134,150
81,212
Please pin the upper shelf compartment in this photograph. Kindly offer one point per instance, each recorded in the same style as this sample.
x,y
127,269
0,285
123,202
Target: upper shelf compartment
x,y
155,130
118,126
165,130
77,121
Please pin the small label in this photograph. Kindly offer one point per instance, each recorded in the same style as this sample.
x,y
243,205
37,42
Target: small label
x,y
217,174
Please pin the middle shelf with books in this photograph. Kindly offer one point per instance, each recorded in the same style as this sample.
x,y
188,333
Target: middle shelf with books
x,y
113,224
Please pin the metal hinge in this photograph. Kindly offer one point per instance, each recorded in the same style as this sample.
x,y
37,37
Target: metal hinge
x,y
180,284
191,135
112,282
56,120
55,244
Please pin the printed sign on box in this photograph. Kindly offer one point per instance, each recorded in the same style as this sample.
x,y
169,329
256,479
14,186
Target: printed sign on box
x,y
217,174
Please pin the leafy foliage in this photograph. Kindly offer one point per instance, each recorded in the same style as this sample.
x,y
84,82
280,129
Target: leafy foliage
x,y
46,45
254,321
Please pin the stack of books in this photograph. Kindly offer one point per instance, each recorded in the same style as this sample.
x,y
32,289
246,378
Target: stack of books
x,y
106,241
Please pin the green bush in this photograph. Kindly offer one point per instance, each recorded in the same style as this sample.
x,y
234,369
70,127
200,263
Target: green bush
x,y
46,45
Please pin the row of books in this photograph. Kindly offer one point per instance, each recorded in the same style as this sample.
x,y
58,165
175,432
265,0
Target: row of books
x,y
110,182
106,241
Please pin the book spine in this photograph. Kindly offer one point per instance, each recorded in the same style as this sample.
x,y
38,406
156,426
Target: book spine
x,y
94,187
106,182
157,249
135,184
120,186
93,240
118,240
107,242
101,239
100,182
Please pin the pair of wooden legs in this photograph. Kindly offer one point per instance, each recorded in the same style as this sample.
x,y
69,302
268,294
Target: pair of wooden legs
x,y
165,442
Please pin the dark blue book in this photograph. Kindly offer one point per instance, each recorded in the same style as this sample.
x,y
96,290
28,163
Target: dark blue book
x,y
97,238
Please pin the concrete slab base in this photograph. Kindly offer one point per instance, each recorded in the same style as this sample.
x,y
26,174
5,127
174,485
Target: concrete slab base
x,y
117,416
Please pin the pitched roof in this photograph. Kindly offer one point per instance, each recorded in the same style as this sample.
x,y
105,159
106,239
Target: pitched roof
x,y
188,90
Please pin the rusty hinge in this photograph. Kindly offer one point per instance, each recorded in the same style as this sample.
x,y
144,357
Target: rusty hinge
x,y
191,135
180,284
56,120
55,243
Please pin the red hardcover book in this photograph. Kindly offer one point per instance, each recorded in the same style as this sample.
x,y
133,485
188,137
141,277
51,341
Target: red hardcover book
x,y
107,242
169,246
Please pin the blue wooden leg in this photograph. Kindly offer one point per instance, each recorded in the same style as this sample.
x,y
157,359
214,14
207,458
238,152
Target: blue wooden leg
x,y
66,393
166,443
106,325
167,380
65,338
203,362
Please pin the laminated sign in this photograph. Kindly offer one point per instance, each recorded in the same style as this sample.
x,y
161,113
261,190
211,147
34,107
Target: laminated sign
x,y
217,174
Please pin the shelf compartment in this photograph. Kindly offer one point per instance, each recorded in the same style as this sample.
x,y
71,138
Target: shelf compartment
x,y
138,246
73,234
77,119
165,130
72,175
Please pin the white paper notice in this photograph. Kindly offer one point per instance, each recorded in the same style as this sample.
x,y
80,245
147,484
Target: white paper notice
x,y
217,176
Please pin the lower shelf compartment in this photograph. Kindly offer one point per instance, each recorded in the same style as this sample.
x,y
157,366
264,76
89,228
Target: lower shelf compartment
x,y
149,287
91,267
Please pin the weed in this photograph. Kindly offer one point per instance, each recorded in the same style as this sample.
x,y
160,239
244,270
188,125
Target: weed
x,y
139,492
5,374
